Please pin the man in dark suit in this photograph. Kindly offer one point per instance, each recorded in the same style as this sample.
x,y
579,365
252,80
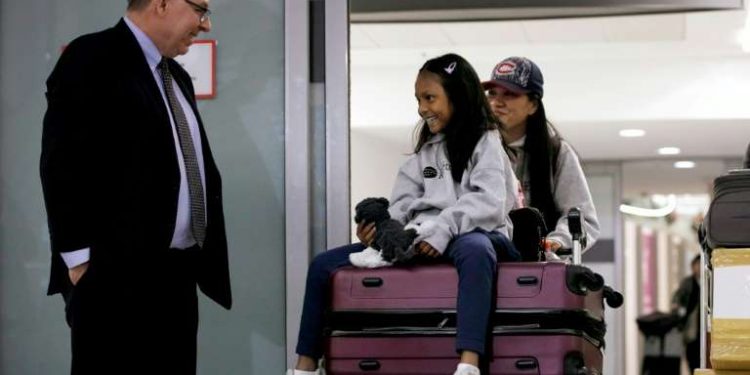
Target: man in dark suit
x,y
133,195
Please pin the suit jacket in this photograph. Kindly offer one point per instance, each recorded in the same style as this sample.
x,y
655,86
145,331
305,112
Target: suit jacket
x,y
109,166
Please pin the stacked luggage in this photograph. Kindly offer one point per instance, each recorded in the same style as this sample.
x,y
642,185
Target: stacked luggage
x,y
725,315
548,319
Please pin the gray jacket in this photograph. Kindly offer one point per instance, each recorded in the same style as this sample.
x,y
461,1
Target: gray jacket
x,y
425,195
569,190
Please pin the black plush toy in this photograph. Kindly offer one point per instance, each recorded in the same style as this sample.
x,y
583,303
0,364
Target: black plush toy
x,y
393,242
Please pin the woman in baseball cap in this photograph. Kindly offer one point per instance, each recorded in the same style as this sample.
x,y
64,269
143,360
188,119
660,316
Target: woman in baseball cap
x,y
549,170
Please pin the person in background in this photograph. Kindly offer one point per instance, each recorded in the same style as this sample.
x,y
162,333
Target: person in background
x,y
457,190
685,303
550,173
133,196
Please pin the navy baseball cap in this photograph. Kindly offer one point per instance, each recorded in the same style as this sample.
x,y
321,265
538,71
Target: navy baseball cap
x,y
517,74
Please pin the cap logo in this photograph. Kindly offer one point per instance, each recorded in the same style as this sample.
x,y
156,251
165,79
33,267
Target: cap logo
x,y
516,72
506,68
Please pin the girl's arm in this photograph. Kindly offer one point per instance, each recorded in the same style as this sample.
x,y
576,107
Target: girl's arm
x,y
571,190
483,205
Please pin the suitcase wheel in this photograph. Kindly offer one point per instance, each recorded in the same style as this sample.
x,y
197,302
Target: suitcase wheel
x,y
613,297
574,364
581,280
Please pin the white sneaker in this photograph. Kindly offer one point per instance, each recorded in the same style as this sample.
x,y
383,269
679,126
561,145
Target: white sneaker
x,y
368,258
300,372
466,369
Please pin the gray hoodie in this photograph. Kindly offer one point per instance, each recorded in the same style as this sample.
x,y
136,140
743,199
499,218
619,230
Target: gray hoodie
x,y
569,189
426,196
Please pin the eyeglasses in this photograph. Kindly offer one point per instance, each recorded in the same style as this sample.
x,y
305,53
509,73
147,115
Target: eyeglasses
x,y
202,10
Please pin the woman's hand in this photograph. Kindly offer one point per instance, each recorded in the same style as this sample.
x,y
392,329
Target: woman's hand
x,y
427,250
552,245
366,233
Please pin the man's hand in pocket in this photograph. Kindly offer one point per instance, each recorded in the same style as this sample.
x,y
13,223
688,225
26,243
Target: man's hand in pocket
x,y
77,272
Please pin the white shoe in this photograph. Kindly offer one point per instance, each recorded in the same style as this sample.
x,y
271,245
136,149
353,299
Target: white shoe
x,y
368,258
466,369
300,372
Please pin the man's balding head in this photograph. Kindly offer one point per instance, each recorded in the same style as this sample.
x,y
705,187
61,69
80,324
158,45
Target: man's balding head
x,y
137,4
171,24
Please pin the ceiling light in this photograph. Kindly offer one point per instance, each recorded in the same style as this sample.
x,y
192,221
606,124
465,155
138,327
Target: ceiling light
x,y
632,133
668,151
651,212
685,164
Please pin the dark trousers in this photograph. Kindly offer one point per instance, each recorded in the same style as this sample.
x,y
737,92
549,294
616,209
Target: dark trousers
x,y
473,254
693,354
144,321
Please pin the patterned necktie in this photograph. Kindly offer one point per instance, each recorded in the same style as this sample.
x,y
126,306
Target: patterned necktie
x,y
195,186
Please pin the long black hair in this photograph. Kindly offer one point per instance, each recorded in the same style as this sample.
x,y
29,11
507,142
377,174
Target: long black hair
x,y
472,115
541,148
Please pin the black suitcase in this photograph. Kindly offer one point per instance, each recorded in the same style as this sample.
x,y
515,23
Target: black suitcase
x,y
727,224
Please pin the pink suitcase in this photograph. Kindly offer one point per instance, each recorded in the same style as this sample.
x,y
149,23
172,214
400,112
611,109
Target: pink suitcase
x,y
515,351
522,287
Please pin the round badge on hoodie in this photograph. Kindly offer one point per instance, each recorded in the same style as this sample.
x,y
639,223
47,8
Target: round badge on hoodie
x,y
429,172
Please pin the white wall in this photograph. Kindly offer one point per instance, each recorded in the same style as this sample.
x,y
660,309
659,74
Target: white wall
x,y
683,78
374,163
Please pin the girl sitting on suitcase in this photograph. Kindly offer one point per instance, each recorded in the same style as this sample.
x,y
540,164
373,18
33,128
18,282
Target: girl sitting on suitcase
x,y
548,168
456,189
